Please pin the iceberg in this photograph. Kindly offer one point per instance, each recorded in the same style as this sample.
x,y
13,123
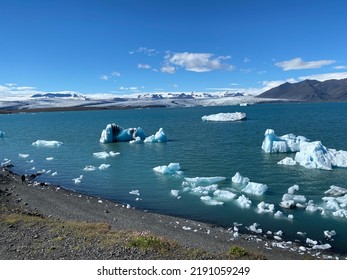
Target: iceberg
x,y
291,200
281,144
23,155
46,143
104,166
173,168
255,188
104,155
238,179
89,168
159,136
315,155
116,133
225,117
210,201
204,180
264,207
204,190
308,154
244,202
335,191
224,195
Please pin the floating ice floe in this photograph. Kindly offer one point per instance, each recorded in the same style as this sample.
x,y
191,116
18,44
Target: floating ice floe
x,y
204,180
173,169
47,143
204,190
89,168
225,117
244,201
104,166
328,234
255,188
255,228
308,154
335,191
264,207
23,155
291,200
159,136
175,193
224,195
238,179
249,187
104,155
49,158
78,180
116,133
210,201
135,192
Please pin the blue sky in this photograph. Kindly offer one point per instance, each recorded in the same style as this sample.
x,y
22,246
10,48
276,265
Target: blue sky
x,y
133,46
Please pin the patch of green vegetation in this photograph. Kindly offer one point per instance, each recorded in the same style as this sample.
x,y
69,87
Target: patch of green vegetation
x,y
144,241
237,252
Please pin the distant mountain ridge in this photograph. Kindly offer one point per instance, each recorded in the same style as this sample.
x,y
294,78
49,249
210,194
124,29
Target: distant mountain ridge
x,y
59,95
310,90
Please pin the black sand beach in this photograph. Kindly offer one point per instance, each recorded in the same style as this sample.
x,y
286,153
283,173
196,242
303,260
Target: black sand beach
x,y
40,221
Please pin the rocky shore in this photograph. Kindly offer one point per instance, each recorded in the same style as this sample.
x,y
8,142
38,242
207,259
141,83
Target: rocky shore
x,y
40,221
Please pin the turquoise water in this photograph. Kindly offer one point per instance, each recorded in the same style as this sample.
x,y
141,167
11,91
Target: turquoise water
x,y
203,149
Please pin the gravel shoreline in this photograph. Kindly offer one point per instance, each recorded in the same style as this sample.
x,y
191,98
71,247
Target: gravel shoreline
x,y
33,240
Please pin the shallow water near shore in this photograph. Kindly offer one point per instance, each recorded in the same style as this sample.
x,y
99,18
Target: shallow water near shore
x,y
203,149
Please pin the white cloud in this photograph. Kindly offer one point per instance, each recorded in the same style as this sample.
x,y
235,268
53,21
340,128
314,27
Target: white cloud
x,y
144,66
198,62
146,51
115,74
298,63
326,76
104,77
168,69
340,67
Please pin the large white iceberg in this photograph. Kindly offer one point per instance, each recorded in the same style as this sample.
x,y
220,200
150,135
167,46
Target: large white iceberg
x,y
239,179
308,154
225,117
116,133
47,143
315,155
281,144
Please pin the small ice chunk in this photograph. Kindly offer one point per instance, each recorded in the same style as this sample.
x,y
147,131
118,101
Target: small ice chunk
x,y
321,247
49,158
172,168
174,193
210,201
159,136
335,191
136,140
101,155
288,204
287,161
104,166
78,180
89,168
23,155
255,228
113,154
278,214
265,207
54,173
204,180
255,188
244,202
290,217
329,234
224,195
311,241
238,179
186,228
135,192
292,189
204,190
47,143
